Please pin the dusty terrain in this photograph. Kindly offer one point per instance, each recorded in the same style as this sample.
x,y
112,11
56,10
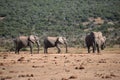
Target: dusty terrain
x,y
75,65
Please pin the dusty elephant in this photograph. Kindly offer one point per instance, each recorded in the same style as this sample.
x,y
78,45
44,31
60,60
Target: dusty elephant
x,y
24,41
53,42
96,41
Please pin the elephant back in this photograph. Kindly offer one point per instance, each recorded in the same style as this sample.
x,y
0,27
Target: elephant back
x,y
96,34
23,40
52,40
93,35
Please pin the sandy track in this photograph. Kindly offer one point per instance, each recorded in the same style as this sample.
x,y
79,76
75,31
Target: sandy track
x,y
77,65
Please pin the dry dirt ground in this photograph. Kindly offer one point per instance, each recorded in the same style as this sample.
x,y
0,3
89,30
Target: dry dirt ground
x,y
75,65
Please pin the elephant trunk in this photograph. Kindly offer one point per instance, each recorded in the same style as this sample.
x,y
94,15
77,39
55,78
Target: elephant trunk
x,y
66,47
103,46
38,46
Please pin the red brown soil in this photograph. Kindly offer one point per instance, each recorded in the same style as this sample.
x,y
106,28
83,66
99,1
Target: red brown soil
x,y
75,65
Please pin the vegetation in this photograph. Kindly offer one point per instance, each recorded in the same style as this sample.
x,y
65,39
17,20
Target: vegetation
x,y
59,18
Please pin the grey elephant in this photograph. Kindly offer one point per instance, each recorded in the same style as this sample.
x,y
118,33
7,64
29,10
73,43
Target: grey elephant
x,y
54,42
96,41
24,41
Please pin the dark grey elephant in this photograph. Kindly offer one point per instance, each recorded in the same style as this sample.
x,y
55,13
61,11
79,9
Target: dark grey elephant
x,y
96,41
24,41
53,42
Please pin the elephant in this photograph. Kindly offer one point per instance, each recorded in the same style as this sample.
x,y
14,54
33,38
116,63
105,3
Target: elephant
x,y
24,41
53,42
95,40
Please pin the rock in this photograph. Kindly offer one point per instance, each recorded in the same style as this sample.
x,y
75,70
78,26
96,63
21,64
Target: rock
x,y
55,57
27,75
1,72
73,77
35,66
1,64
80,67
6,78
102,61
64,79
21,59
66,70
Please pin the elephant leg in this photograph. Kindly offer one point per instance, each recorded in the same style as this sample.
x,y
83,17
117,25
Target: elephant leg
x,y
94,49
66,48
38,46
31,45
58,49
31,50
102,47
17,49
88,49
45,50
98,50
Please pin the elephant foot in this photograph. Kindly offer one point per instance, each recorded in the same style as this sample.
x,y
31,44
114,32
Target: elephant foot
x,y
45,52
59,52
99,54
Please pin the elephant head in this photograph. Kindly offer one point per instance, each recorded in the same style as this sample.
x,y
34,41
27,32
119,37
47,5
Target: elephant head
x,y
63,40
34,39
24,41
53,42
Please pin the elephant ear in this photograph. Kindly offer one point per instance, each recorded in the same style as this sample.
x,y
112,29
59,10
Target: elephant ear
x,y
61,40
104,38
32,38
100,34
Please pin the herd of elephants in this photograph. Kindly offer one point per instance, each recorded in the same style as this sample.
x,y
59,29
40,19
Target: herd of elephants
x,y
94,39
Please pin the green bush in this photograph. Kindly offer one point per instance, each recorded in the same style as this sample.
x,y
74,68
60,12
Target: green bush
x,y
56,17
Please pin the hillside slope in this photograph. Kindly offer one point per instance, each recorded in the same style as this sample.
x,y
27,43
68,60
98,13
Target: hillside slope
x,y
72,19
